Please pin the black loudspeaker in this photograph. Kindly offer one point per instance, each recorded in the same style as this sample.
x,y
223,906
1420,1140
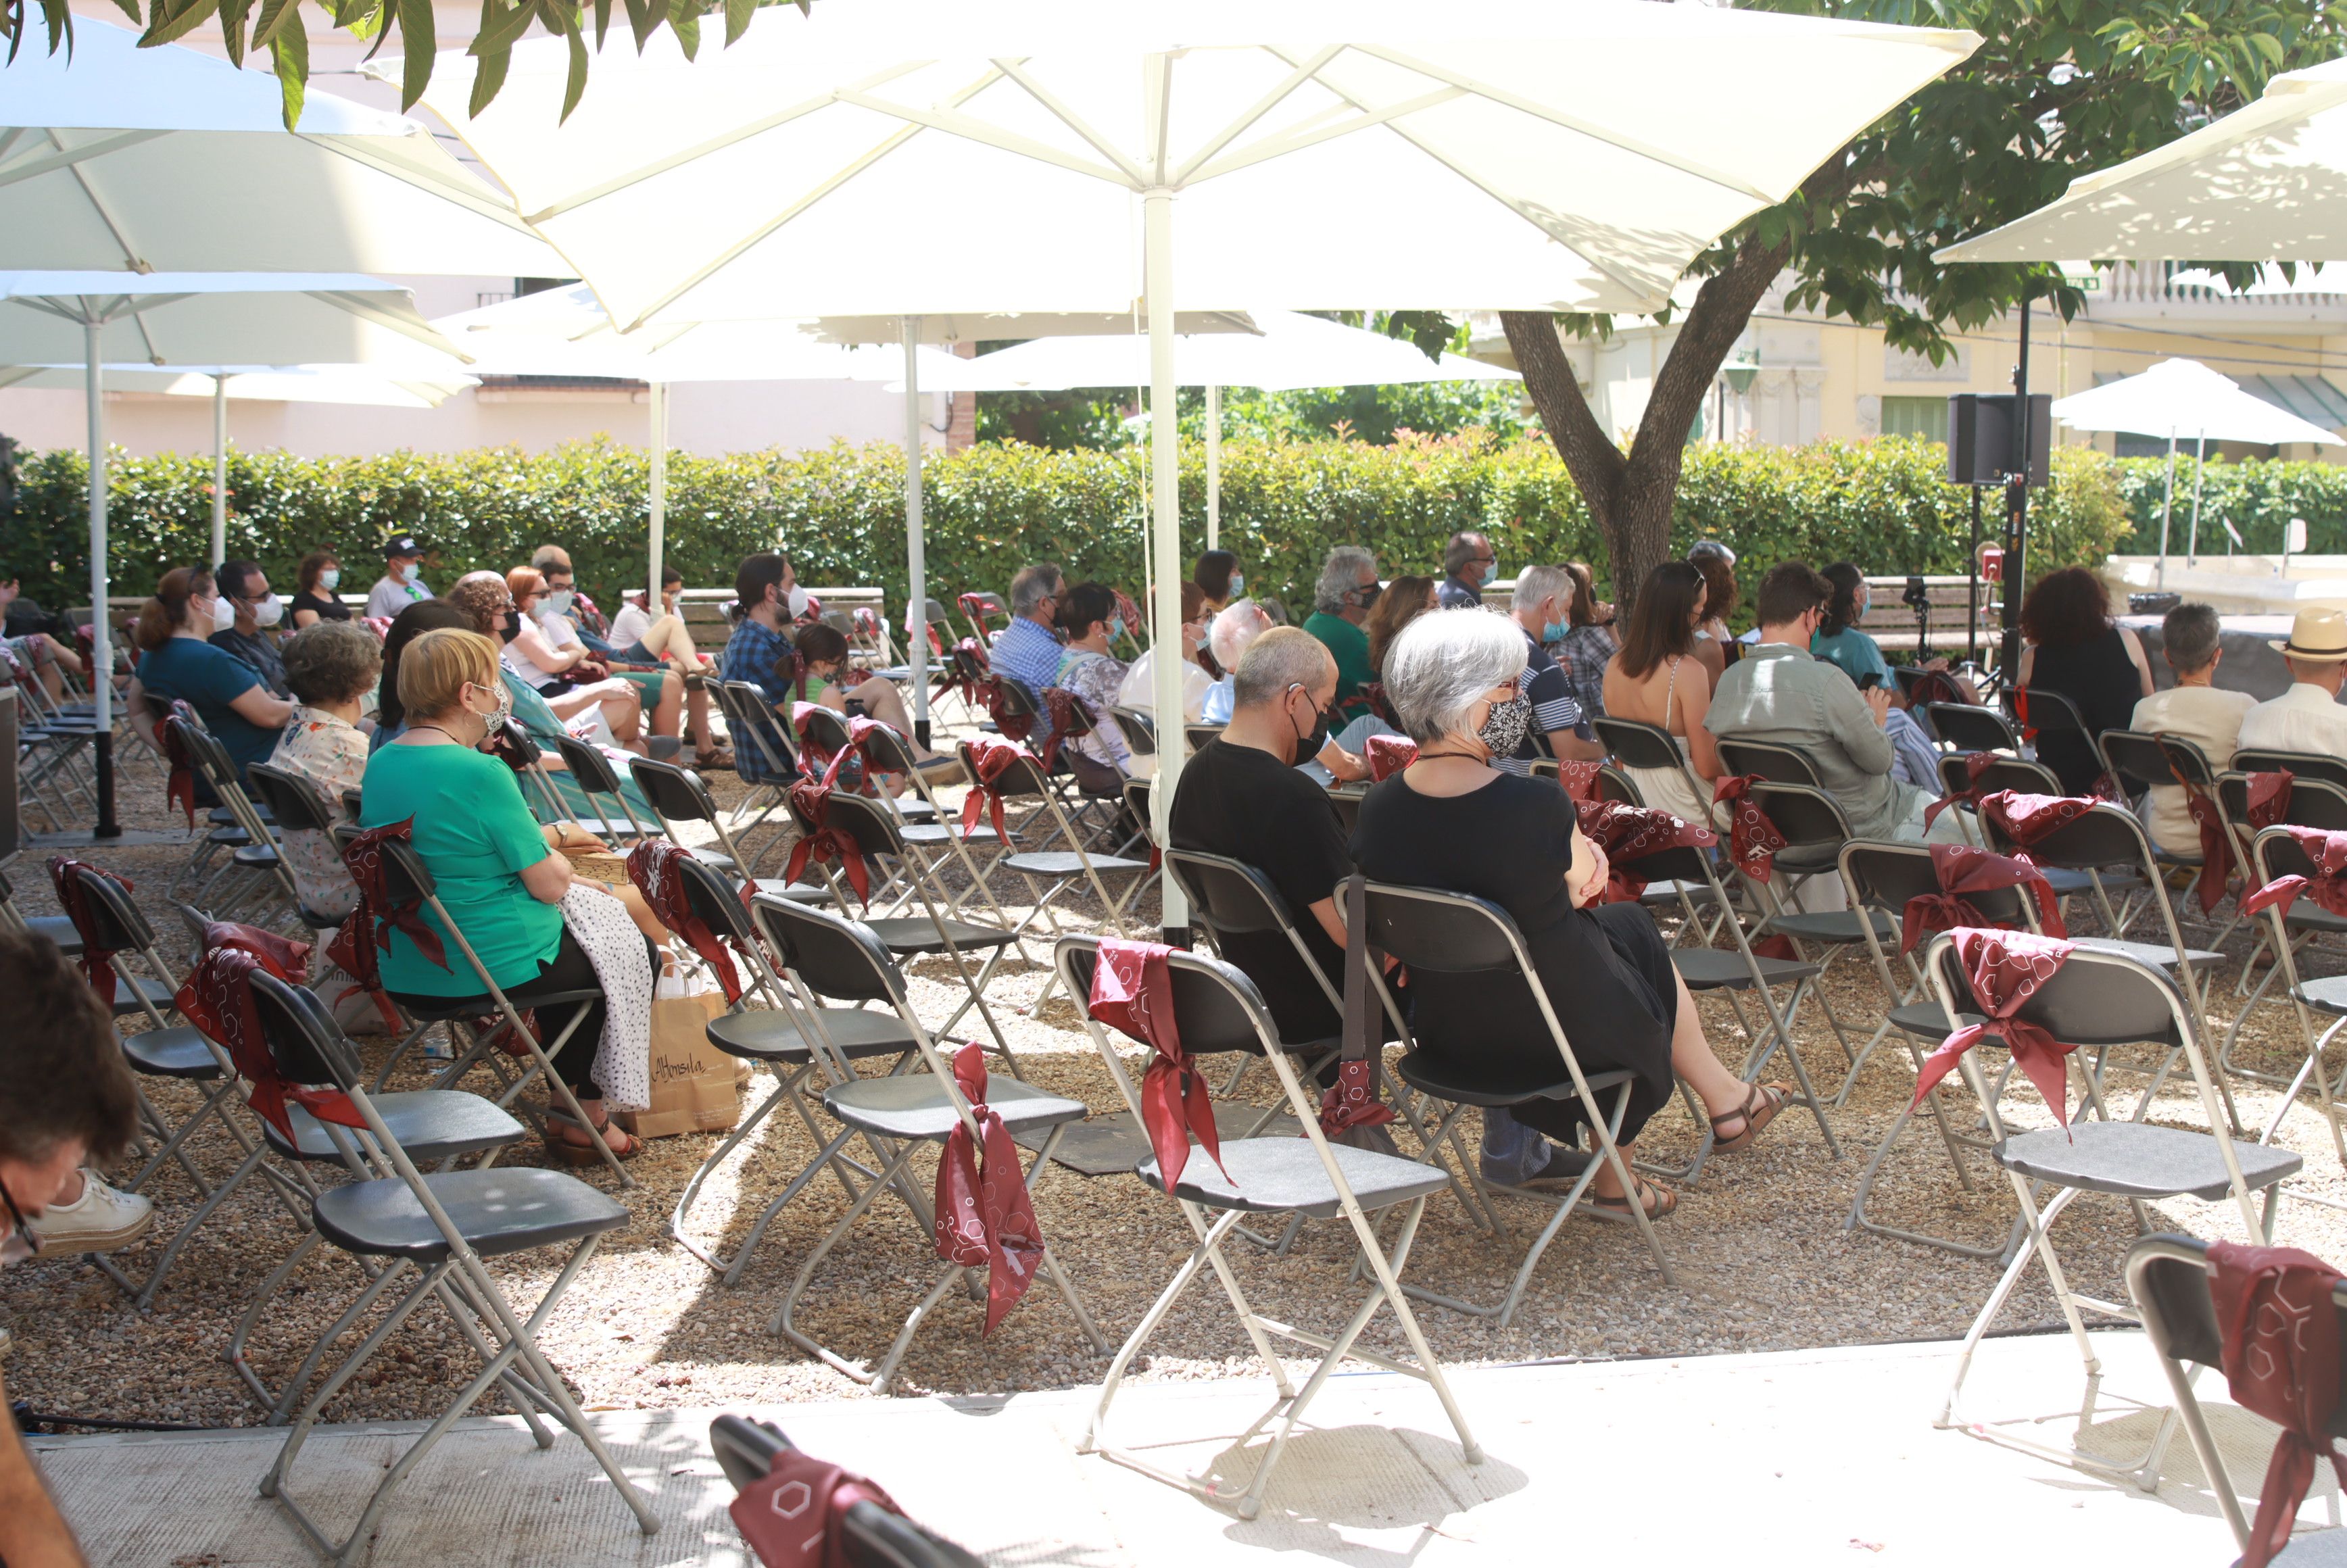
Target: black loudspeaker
x,y
1980,437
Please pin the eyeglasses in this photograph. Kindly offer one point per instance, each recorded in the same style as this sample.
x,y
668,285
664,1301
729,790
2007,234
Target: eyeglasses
x,y
23,1227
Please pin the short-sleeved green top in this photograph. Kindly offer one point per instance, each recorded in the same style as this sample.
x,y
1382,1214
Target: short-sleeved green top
x,y
1350,645
475,836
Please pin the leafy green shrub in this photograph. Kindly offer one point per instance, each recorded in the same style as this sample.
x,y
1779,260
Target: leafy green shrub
x,y
2259,496
994,508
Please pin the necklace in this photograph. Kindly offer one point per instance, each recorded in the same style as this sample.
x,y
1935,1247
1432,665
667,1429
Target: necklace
x,y
437,729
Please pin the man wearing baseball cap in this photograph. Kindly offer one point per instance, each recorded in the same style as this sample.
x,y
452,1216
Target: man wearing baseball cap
x,y
401,583
2307,717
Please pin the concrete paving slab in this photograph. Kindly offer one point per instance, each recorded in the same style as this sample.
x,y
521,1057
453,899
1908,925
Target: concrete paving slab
x,y
1814,1457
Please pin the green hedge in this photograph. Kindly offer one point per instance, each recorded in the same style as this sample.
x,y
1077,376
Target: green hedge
x,y
994,508
2260,499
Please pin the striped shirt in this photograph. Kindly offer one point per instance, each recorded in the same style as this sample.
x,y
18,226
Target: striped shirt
x,y
1542,684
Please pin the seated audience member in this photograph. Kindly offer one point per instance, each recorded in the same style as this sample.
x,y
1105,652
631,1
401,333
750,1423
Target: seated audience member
x,y
488,609
552,562
1554,725
2076,651
566,615
1583,643
1715,644
244,618
1027,650
42,649
401,583
1228,637
1839,640
1140,689
1658,679
1781,693
314,582
1469,566
2307,717
1341,602
498,874
1404,600
644,638
1218,577
176,663
70,1103
759,652
1454,820
542,650
332,666
424,615
2194,709
1089,621
1241,795
829,681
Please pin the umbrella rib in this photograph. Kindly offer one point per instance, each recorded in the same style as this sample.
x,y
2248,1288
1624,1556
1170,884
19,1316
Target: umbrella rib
x,y
131,257
1072,120
366,310
468,194
1297,141
972,128
1570,122
1237,127
715,144
64,157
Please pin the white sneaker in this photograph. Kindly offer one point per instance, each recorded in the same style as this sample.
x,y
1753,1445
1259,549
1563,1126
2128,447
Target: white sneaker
x,y
101,1220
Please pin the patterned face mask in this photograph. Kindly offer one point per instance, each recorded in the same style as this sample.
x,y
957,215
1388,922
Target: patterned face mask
x,y
1503,731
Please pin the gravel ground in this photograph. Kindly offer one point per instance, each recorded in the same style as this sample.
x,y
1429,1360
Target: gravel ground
x,y
1763,1258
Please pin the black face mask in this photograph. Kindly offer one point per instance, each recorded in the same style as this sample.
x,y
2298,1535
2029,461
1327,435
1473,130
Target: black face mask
x,y
510,627
1366,598
1308,744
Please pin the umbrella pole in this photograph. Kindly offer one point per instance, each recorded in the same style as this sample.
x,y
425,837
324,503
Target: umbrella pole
x,y
2200,461
1214,467
656,397
101,664
220,470
2166,507
917,564
1165,500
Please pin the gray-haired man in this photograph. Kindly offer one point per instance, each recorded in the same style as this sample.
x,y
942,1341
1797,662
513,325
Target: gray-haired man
x,y
1341,604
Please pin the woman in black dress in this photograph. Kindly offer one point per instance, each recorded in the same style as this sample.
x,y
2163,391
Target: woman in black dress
x,y
1452,821
2074,649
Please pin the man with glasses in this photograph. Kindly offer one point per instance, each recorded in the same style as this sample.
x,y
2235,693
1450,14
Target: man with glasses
x,y
1469,566
70,1100
1027,650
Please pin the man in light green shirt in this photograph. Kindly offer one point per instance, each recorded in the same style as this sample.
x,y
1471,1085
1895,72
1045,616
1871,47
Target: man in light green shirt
x,y
1340,603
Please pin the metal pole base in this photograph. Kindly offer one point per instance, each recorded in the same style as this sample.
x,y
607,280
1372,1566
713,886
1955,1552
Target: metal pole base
x,y
108,827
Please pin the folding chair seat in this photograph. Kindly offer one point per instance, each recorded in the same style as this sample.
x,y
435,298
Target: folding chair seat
x,y
58,928
2169,1278
1434,930
439,1227
2090,999
895,1117
1216,1010
1048,873
2276,853
677,795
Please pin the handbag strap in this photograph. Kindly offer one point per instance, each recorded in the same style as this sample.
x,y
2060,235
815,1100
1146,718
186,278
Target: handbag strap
x,y
1360,1025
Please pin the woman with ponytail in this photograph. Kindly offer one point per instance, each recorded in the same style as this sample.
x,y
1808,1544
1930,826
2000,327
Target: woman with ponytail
x,y
1839,642
176,663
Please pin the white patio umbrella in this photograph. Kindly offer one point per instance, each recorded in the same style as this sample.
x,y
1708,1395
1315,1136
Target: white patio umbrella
x,y
921,156
337,383
166,158
1286,351
197,318
2178,397
2266,182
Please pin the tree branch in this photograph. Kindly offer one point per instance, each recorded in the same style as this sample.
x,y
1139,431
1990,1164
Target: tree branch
x,y
1590,455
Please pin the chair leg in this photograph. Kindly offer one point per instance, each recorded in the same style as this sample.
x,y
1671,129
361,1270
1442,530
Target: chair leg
x,y
786,1088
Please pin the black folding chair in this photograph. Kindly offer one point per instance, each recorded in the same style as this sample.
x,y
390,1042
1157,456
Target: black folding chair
x,y
1773,764
750,722
1195,736
1813,825
897,1115
1635,743
2275,854
253,873
58,928
2139,759
2098,998
677,795
1217,1009
870,1536
2302,764
595,776
2314,802
927,827
1432,930
1966,727
1048,873
297,807
441,1226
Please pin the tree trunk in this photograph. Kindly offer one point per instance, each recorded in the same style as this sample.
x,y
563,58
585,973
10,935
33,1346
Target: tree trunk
x,y
1630,495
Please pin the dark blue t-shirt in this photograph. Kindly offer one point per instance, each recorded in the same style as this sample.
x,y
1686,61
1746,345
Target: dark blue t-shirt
x,y
209,680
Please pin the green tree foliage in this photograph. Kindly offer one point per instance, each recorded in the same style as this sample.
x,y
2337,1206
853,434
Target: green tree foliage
x,y
2259,499
1100,417
993,509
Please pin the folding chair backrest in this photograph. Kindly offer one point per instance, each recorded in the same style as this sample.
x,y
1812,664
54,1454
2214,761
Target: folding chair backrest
x,y
1613,784
2017,773
1216,1008
2185,760
405,878
1777,764
747,716
2095,998
1140,730
2169,1277
1804,815
866,820
1017,702
1445,932
517,741
2136,756
2302,764
1137,802
2107,835
889,751
713,900
588,766
1197,735
2314,803
1227,896
1023,776
292,799
117,923
836,958
972,668
2279,854
1637,744
303,1039
676,793
1887,876
1079,717
826,731
1971,728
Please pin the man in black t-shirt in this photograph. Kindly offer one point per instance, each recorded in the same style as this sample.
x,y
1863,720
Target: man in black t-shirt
x,y
1240,797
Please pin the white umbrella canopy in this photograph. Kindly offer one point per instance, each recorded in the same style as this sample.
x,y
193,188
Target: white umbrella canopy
x,y
2266,182
166,158
1289,351
2183,397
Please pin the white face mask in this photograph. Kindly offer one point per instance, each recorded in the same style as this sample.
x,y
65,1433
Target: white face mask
x,y
559,601
328,579
269,612
798,600
411,571
223,612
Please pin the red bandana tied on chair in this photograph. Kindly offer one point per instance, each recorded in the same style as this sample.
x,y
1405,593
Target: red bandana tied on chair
x,y
2269,798
653,868
1063,706
1626,833
369,927
2280,1339
1387,755
988,759
96,958
1963,869
1975,764
180,782
217,998
1352,1100
984,1216
790,1516
2329,886
2007,969
1752,839
2026,818
1014,726
822,842
1578,780
1133,992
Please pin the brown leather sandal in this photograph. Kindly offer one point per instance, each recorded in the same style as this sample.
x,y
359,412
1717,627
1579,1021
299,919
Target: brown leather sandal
x,y
1760,1106
1658,1202
576,1144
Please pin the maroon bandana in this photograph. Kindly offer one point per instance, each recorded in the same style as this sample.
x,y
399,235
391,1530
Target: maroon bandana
x,y
369,926
180,782
1975,764
1627,833
1752,839
1387,755
1578,780
1352,1100
653,868
984,1216
2028,819
96,958
1963,869
2007,969
790,1516
2328,886
1133,992
988,759
2281,1338
217,998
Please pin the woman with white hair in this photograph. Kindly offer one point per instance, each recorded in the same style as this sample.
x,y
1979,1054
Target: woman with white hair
x,y
1452,820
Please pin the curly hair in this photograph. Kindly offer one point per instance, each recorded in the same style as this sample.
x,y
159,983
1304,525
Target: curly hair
x,y
333,661
2065,608
484,596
